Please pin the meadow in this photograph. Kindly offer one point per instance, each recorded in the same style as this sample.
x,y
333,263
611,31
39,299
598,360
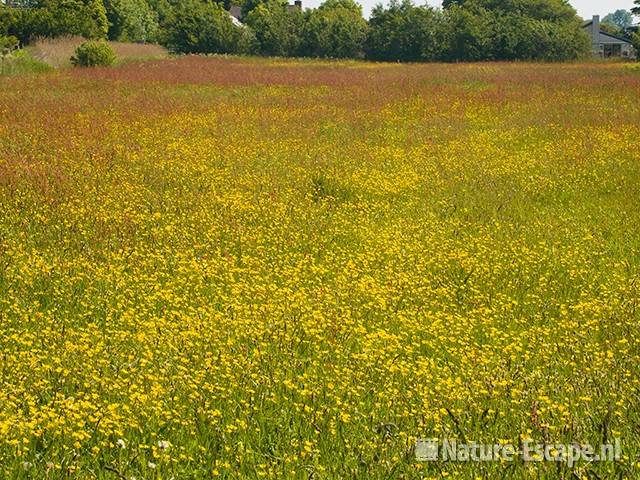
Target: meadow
x,y
226,268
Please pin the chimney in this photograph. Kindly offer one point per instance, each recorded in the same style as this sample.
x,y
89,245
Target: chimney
x,y
235,11
298,4
595,34
595,27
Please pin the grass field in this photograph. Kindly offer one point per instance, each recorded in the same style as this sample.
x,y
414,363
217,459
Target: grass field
x,y
21,62
57,52
47,54
256,269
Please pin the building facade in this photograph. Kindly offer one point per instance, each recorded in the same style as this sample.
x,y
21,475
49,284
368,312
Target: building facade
x,y
606,45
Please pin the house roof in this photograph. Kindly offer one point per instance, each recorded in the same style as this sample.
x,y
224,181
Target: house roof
x,y
235,21
606,34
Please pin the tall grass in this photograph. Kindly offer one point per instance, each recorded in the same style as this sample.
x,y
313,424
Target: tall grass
x,y
57,52
219,268
21,62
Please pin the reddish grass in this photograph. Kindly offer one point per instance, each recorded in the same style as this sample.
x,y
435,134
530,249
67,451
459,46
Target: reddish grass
x,y
43,115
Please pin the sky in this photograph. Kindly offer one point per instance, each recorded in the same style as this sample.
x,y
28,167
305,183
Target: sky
x,y
586,8
589,8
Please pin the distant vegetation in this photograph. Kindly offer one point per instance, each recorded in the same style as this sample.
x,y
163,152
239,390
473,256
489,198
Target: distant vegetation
x,y
619,20
462,30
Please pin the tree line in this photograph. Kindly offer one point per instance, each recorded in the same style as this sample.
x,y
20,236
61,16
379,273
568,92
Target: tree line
x,y
462,30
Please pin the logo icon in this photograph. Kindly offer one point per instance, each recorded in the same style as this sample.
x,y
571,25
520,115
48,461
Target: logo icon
x,y
426,449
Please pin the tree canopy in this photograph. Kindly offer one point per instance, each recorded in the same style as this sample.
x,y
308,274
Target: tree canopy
x,y
464,30
278,32
335,29
201,27
621,19
51,18
406,32
131,20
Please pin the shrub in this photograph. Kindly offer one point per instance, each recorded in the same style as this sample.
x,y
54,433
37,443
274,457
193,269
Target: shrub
x,y
201,27
94,54
9,43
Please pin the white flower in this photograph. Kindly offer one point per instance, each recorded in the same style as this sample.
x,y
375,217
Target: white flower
x,y
151,465
27,465
121,443
163,444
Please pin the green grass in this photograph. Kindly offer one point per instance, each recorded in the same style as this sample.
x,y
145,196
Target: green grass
x,y
214,268
21,63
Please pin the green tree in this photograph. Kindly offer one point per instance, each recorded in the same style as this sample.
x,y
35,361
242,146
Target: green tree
x,y
515,37
53,18
610,28
405,32
131,20
635,39
278,31
162,8
636,10
202,27
6,19
621,19
247,5
518,37
335,29
470,35
514,29
22,3
561,41
554,10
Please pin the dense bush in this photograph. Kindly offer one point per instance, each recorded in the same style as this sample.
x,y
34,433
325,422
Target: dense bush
x,y
336,29
516,37
201,27
8,43
405,32
469,35
94,54
514,30
278,32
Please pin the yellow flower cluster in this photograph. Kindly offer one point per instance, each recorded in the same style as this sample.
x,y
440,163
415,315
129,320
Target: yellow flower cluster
x,y
290,280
